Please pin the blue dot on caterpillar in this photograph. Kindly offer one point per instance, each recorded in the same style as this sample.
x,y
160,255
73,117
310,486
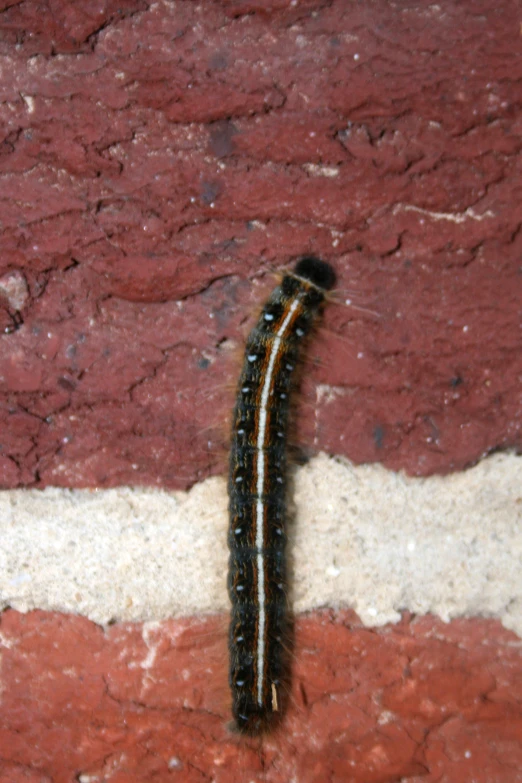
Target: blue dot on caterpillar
x,y
260,624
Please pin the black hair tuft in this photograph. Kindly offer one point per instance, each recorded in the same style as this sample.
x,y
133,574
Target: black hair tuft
x,y
316,271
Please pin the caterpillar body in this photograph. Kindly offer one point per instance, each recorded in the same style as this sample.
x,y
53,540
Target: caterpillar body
x,y
257,505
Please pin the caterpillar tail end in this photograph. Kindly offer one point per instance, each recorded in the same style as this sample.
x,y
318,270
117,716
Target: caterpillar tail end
x,y
253,720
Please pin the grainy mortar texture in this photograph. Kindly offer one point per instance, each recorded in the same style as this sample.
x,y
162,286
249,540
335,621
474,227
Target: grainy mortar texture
x,y
158,160
363,538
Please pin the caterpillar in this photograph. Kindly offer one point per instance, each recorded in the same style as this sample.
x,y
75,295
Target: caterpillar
x,y
259,624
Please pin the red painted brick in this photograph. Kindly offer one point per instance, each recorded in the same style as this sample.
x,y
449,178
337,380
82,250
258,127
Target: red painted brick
x,y
420,700
187,148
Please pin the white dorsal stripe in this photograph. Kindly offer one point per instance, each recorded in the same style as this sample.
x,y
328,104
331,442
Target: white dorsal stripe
x,y
260,542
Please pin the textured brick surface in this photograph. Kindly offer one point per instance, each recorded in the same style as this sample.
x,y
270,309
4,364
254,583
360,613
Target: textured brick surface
x,y
158,159
421,700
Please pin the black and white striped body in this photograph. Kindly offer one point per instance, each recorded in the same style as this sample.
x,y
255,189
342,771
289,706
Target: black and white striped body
x,y
257,487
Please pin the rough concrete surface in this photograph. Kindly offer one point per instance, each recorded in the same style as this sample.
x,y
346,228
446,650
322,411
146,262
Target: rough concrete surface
x,y
157,159
363,538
